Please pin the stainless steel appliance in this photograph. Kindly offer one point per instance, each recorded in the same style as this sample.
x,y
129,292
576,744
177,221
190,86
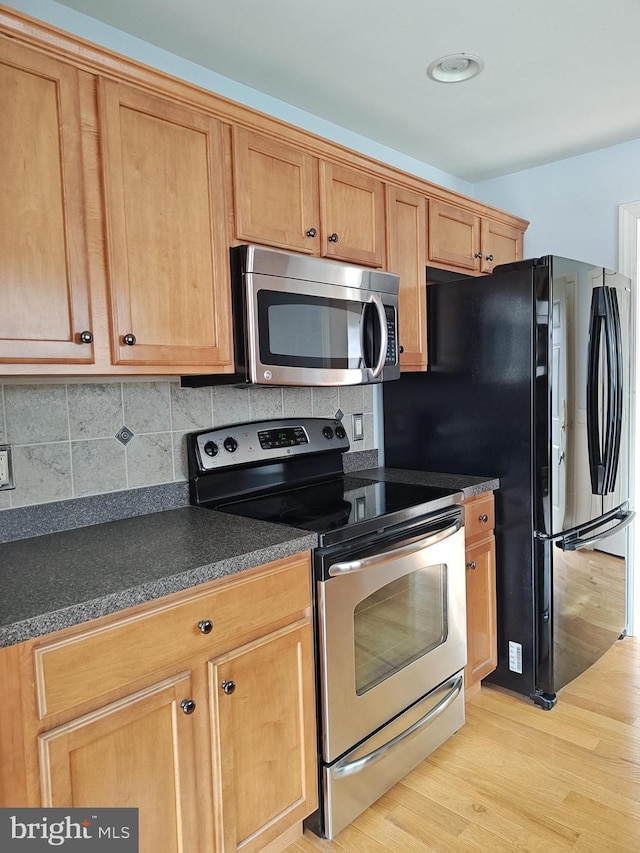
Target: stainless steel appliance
x,y
300,320
529,380
390,596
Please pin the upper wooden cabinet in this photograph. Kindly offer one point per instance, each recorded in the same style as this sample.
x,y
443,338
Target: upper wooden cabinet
x,y
166,230
352,215
275,193
459,239
44,276
285,197
406,255
122,189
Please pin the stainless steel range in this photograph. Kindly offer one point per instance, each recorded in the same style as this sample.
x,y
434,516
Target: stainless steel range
x,y
390,596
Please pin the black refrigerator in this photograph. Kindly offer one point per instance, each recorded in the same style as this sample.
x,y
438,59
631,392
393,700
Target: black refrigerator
x,y
529,381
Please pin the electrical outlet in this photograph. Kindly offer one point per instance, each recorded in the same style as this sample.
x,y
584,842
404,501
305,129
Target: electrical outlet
x,y
6,473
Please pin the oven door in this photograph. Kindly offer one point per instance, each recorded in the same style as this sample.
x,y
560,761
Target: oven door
x,y
392,627
311,333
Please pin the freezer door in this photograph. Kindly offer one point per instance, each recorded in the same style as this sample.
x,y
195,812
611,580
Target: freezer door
x,y
580,601
582,394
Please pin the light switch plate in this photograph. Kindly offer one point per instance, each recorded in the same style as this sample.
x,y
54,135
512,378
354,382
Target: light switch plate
x,y
6,470
358,428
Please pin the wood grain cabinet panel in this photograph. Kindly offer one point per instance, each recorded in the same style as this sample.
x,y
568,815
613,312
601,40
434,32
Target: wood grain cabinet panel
x,y
353,218
480,557
129,711
275,193
406,255
138,752
471,243
166,231
500,243
454,237
263,694
44,277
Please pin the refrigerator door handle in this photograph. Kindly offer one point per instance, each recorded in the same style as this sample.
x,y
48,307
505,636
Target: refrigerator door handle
x,y
616,388
576,540
603,449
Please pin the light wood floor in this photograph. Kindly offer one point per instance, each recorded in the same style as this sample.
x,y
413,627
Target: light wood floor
x,y
516,777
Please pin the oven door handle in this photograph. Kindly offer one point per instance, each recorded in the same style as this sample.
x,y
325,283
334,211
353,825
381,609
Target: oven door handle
x,y
344,767
390,554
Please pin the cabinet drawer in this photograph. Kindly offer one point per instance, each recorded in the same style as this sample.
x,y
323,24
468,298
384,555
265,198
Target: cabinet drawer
x,y
107,658
479,518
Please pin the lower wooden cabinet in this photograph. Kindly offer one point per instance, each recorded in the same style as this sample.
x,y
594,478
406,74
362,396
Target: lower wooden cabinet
x,y
260,699
480,557
215,743
138,752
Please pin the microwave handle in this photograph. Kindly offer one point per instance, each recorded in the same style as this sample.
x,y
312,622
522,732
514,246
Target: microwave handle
x,y
384,336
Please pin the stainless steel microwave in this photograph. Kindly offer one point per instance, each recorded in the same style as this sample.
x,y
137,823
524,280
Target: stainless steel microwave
x,y
302,320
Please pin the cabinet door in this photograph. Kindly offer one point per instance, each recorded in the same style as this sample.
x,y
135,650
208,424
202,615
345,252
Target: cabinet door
x,y
264,744
44,269
275,193
138,752
406,255
352,210
166,232
482,653
454,237
501,244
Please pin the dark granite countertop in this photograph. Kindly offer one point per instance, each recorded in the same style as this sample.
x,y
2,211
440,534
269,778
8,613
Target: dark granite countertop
x,y
53,581
469,486
61,579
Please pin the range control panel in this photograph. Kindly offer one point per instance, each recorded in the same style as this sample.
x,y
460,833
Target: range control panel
x,y
267,440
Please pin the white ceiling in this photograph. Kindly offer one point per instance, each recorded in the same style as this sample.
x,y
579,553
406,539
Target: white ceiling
x,y
561,77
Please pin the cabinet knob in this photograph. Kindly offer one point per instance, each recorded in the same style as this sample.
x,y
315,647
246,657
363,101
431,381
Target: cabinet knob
x,y
205,626
188,706
483,518
312,232
86,337
472,565
129,339
400,349
333,238
489,258
478,255
228,687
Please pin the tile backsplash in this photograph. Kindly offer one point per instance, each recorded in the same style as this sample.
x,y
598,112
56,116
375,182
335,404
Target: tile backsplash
x,y
64,435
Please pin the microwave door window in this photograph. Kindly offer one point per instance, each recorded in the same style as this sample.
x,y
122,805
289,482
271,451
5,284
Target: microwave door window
x,y
308,331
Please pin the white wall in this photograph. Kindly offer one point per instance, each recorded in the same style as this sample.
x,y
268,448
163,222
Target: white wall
x,y
572,204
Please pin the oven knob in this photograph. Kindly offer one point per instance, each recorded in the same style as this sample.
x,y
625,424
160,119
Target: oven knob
x,y
327,432
230,444
340,433
211,448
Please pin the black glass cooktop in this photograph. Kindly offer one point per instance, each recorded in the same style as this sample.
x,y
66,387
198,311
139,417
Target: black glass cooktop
x,y
345,502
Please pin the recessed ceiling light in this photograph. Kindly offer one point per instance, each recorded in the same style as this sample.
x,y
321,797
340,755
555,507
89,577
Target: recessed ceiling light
x,y
455,67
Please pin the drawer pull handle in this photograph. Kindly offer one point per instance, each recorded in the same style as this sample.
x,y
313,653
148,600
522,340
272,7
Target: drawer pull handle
x,y
188,706
228,687
205,626
472,565
483,518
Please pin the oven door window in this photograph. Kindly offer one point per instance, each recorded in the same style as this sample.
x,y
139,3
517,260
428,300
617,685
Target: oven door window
x,y
399,623
300,330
